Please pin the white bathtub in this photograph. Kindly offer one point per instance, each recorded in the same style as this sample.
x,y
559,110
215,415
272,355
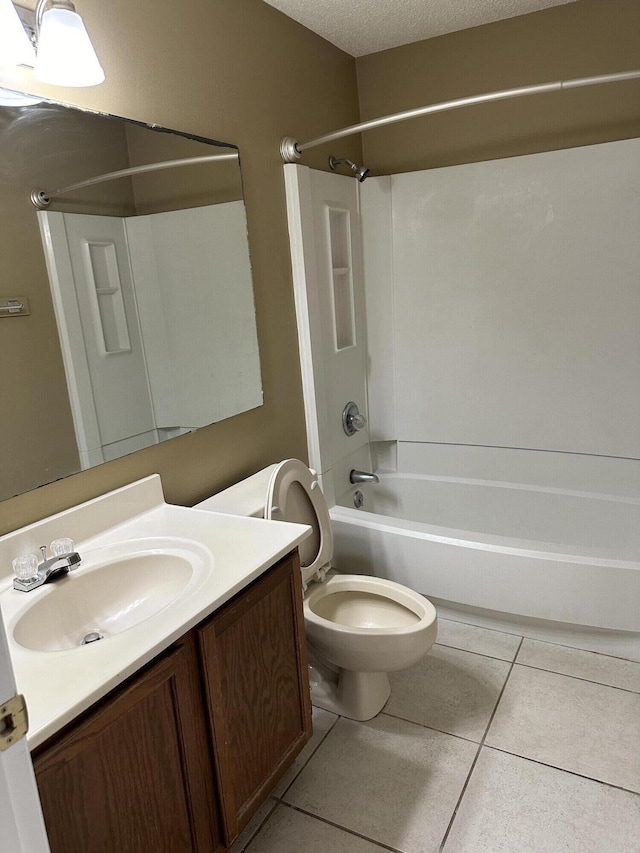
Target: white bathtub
x,y
552,554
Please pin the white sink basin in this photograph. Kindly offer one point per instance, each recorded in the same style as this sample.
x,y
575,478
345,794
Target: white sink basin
x,y
105,599
150,573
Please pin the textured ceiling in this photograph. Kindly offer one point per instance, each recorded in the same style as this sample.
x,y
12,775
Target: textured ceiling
x,y
360,27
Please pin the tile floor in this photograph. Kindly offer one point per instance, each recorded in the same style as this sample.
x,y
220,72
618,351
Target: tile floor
x,y
493,743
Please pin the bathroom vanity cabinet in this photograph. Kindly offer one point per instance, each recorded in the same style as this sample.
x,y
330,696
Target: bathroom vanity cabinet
x,y
181,756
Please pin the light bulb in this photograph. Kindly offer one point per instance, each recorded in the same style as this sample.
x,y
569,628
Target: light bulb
x,y
65,54
15,47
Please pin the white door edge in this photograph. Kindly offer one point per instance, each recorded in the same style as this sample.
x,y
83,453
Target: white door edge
x,y
21,821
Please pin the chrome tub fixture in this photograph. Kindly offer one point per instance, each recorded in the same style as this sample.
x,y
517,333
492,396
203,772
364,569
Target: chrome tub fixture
x,y
356,477
360,172
352,420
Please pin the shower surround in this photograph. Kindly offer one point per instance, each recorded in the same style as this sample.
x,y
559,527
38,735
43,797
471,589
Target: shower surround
x,y
502,357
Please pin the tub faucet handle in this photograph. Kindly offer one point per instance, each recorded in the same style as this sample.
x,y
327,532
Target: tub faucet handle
x,y
352,420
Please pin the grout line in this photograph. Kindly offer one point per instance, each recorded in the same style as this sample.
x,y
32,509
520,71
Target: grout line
x,y
538,640
380,844
471,652
480,627
318,745
563,770
477,755
577,678
384,713
262,823
584,651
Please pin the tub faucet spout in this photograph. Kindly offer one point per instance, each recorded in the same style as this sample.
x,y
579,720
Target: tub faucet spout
x,y
362,477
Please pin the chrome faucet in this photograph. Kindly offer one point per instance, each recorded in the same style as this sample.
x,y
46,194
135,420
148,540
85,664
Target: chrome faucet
x,y
362,477
49,569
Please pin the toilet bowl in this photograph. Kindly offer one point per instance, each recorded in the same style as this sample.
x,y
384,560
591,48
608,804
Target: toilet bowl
x,y
358,628
364,627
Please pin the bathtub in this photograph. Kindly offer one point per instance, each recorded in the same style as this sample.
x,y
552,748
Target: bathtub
x,y
532,552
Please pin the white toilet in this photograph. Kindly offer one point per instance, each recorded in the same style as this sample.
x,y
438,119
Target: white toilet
x,y
358,628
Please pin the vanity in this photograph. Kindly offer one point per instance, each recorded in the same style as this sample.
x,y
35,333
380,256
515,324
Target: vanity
x,y
171,730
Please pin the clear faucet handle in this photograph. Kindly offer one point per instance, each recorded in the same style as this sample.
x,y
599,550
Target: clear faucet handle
x,y
25,567
60,547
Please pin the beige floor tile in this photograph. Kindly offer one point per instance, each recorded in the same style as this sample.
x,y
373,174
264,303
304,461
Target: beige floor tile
x,y
495,644
594,667
391,781
242,841
450,690
322,722
289,831
576,725
512,804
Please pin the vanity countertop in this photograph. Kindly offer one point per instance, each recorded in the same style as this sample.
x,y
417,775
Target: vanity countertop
x,y
229,551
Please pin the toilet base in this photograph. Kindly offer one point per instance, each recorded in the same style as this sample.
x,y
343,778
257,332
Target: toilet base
x,y
356,695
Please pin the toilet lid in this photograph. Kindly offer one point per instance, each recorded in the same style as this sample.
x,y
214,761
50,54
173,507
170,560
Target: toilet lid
x,y
294,494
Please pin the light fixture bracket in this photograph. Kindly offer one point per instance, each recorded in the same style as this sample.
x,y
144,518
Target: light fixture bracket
x,y
28,20
32,19
44,5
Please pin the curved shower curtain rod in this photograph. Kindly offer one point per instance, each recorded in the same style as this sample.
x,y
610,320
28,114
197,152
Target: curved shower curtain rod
x,y
42,199
291,150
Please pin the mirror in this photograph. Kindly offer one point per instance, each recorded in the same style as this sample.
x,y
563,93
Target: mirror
x,y
138,322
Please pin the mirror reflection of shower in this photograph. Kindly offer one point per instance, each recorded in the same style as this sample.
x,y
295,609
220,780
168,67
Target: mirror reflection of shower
x,y
179,292
360,172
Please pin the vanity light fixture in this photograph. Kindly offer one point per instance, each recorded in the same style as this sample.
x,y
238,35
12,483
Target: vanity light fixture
x,y
63,55
15,46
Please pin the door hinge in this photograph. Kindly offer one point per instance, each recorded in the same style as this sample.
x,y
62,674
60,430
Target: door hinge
x,y
14,721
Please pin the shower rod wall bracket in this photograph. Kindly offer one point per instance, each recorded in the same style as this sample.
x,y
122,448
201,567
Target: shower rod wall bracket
x,y
40,199
289,150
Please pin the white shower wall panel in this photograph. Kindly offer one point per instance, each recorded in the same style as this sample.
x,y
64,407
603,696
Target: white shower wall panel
x,y
192,288
516,302
377,261
325,236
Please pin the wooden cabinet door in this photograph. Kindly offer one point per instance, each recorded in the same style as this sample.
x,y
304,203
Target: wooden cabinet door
x,y
135,775
255,672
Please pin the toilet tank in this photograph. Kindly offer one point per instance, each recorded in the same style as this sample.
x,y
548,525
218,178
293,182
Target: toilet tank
x,y
247,497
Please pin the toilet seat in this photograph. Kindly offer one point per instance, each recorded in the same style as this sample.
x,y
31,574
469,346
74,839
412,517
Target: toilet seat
x,y
359,628
294,494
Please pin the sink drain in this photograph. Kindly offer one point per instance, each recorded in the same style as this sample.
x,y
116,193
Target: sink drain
x,y
92,637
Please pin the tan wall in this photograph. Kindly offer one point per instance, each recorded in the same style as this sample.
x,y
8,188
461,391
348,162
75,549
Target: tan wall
x,y
580,39
185,186
44,147
239,71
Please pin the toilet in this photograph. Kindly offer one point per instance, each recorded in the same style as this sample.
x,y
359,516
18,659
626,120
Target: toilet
x,y
358,628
